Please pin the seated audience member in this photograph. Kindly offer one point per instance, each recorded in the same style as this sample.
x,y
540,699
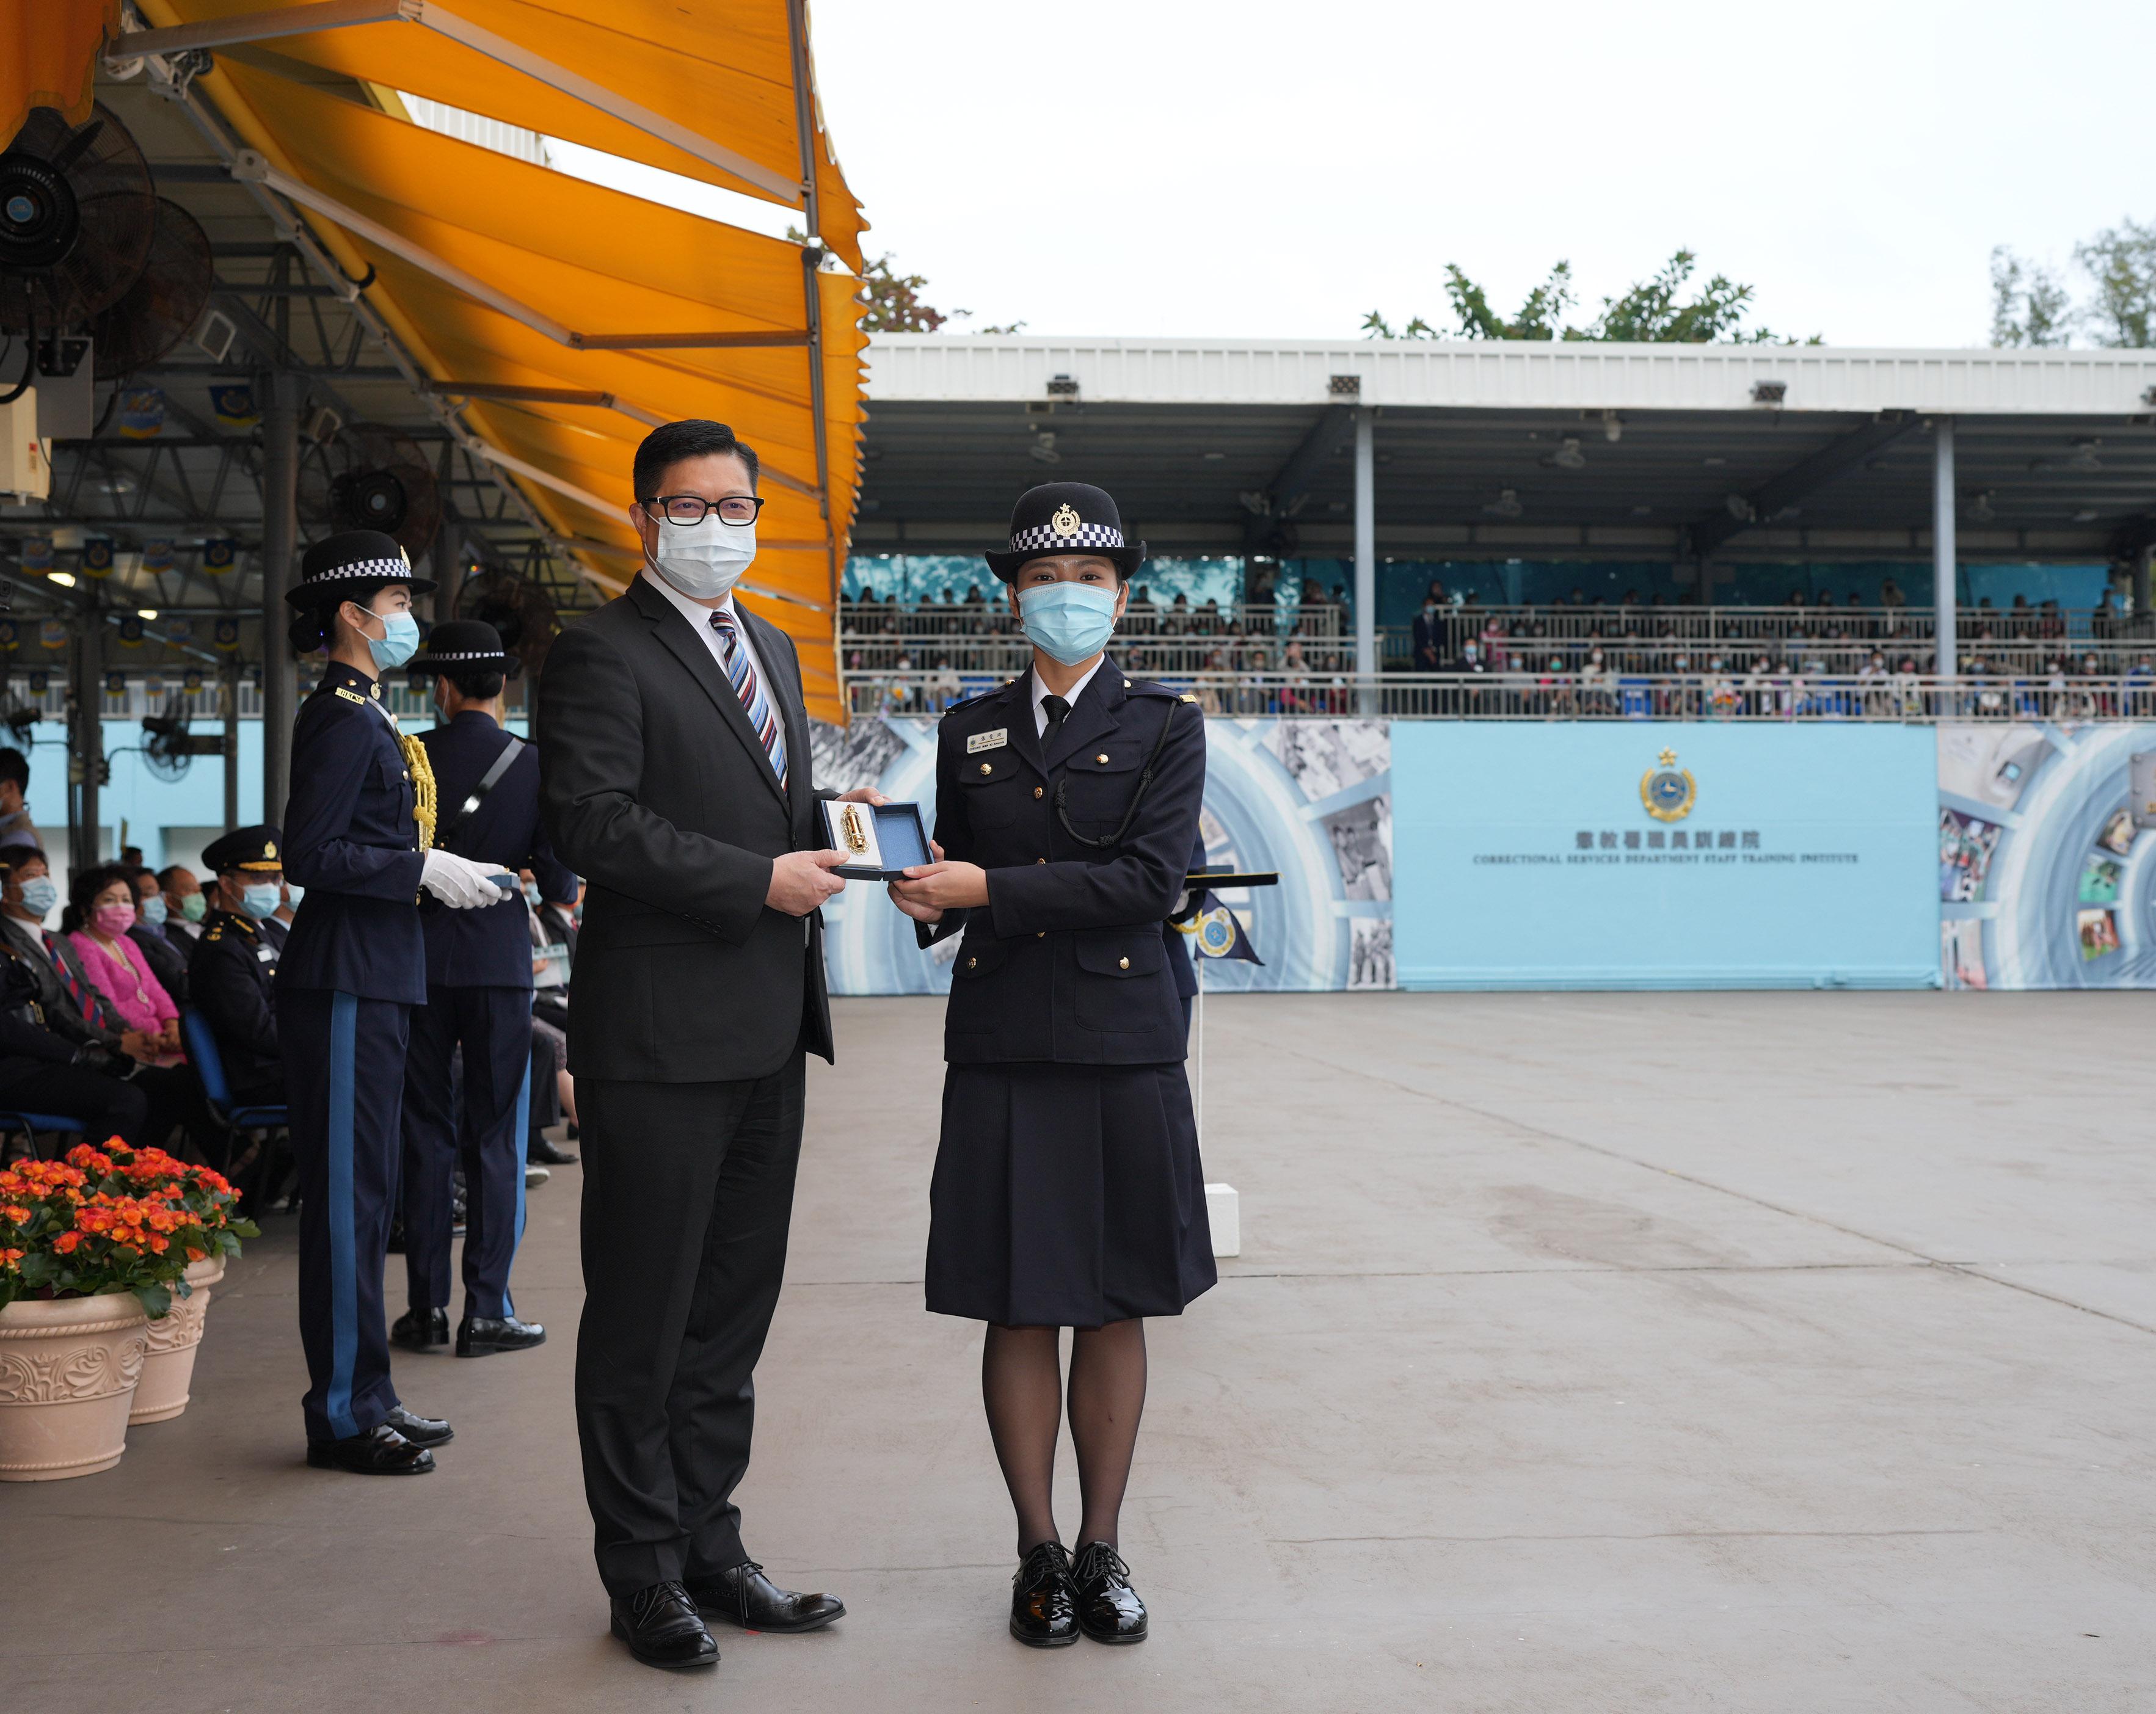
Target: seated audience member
x,y
43,1070
235,966
71,1001
99,911
186,905
169,959
16,828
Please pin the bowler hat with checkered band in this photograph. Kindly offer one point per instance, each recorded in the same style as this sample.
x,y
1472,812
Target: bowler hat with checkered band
x,y
1065,517
350,566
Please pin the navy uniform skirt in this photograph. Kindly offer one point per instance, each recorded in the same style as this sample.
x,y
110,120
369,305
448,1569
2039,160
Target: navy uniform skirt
x,y
1067,1196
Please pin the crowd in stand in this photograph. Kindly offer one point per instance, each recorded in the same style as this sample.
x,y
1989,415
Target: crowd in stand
x,y
91,1010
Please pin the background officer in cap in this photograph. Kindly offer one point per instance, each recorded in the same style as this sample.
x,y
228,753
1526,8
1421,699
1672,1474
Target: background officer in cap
x,y
478,999
357,830
232,973
1068,1191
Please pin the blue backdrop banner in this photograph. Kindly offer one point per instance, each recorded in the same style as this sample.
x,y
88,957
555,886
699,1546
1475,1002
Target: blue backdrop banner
x,y
1640,854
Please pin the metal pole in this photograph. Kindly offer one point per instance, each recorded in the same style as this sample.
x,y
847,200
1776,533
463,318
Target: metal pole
x,y
84,843
1944,589
804,127
2141,560
232,742
1366,549
280,539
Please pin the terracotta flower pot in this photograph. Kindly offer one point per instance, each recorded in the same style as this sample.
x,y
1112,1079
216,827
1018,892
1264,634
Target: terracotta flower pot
x,y
68,1370
169,1367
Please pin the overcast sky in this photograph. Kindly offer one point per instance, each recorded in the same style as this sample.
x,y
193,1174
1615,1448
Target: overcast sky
x,y
1163,166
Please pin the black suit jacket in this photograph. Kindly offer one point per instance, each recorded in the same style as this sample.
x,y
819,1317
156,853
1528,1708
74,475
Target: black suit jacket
x,y
657,791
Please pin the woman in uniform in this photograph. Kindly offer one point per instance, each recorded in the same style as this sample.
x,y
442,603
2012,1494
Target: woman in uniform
x,y
1067,1190
357,828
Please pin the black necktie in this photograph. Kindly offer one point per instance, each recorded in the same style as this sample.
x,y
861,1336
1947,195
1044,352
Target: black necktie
x,y
1057,710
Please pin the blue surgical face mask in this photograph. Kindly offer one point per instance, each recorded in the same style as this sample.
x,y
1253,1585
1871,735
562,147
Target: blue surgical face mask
x,y
40,893
1067,622
153,911
294,892
260,900
399,645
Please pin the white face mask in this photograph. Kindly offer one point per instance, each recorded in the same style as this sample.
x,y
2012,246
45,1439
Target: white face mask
x,y
704,561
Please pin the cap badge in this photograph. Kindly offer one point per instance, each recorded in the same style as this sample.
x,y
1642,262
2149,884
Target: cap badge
x,y
1065,520
268,849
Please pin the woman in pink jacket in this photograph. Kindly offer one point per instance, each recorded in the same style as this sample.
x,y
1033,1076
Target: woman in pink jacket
x,y
100,910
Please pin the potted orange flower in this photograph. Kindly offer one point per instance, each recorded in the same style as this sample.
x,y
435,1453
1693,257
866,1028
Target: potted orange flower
x,y
90,1248
209,1239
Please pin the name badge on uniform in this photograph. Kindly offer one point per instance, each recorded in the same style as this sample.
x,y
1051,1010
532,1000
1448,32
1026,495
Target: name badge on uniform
x,y
988,740
267,955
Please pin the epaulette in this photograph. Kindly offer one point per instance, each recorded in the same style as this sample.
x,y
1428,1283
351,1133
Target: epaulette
x,y
1146,687
955,708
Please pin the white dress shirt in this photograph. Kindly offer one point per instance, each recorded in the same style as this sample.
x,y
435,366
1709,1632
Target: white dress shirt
x,y
699,617
1071,697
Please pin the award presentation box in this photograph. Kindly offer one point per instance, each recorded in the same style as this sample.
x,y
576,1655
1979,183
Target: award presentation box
x,y
879,839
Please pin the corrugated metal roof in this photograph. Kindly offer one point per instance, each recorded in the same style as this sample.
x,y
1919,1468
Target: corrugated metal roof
x,y
1509,375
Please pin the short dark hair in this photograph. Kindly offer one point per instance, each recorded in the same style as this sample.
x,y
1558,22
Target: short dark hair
x,y
14,857
86,884
670,442
15,766
165,876
480,684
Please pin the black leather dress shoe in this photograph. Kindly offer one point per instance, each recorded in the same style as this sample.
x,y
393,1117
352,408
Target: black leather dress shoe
x,y
660,1624
420,1329
549,1153
420,1431
744,1596
483,1336
1043,1606
381,1451
1109,1610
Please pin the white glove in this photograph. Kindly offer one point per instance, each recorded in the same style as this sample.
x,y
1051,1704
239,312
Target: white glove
x,y
458,882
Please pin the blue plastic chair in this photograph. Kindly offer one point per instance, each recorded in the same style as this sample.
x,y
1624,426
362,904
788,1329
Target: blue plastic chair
x,y
30,1124
209,1066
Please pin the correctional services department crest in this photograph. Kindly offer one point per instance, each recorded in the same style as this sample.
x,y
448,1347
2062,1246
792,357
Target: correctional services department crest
x,y
1668,791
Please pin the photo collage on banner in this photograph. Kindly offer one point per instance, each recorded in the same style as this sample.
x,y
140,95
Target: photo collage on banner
x,y
2047,868
1310,798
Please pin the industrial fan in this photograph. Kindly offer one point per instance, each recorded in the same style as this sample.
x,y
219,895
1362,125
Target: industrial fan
x,y
77,213
373,477
521,611
167,750
165,302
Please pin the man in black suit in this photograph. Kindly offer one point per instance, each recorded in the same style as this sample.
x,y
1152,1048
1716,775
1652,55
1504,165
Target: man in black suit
x,y
675,765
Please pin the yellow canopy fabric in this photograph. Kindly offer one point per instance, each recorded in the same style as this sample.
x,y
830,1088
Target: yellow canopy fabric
x,y
722,69
49,57
601,263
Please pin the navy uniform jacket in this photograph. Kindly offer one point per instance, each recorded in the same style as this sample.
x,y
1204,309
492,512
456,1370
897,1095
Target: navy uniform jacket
x,y
351,840
231,975
490,947
1066,961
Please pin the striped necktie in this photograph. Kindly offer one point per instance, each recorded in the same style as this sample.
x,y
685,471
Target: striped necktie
x,y
84,999
761,714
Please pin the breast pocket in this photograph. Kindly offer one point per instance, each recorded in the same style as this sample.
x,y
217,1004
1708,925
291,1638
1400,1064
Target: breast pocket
x,y
993,789
393,785
1099,783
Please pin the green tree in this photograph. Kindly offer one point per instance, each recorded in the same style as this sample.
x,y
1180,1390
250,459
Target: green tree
x,y
2121,262
1652,311
2028,305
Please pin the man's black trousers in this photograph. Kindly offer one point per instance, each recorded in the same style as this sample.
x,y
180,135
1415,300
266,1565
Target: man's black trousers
x,y
106,1106
494,1027
688,1194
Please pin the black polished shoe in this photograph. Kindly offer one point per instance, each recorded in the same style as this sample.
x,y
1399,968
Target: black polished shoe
x,y
660,1624
420,1329
483,1336
1043,1607
744,1596
1109,1610
420,1431
381,1451
549,1153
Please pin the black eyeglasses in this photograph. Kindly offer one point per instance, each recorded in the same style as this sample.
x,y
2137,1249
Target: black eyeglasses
x,y
739,510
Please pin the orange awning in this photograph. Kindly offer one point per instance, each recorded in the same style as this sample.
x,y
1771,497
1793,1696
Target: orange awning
x,y
514,285
48,56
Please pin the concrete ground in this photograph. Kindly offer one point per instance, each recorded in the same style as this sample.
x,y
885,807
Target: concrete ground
x,y
1752,1351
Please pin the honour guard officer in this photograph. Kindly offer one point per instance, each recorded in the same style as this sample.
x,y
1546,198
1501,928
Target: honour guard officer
x,y
356,827
478,999
232,973
1067,1191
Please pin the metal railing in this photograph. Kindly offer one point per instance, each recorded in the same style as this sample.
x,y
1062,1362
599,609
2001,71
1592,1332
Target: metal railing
x,y
1524,695
983,637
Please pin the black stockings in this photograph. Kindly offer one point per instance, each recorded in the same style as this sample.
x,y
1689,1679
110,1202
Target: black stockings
x,y
1022,1387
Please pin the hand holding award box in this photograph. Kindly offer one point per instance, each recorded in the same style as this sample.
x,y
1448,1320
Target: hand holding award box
x,y
881,840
